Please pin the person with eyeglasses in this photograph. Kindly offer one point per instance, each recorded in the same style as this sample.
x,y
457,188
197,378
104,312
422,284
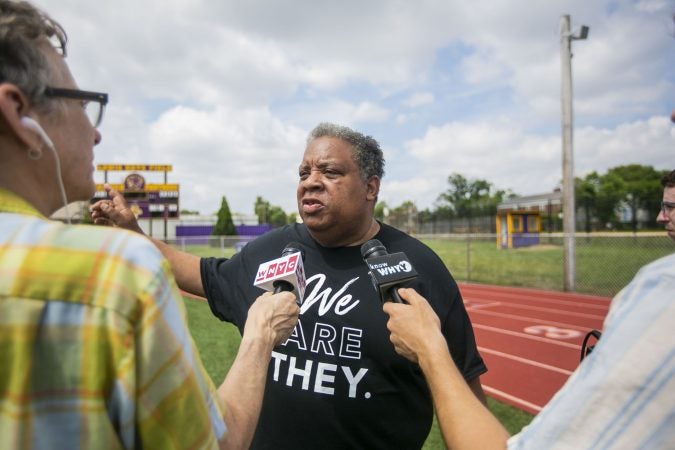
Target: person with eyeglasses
x,y
666,215
94,346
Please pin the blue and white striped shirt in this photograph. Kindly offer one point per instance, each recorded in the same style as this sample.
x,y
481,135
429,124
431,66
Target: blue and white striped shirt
x,y
623,395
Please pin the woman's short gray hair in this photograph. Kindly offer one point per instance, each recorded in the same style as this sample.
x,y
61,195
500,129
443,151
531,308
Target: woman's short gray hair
x,y
366,150
22,28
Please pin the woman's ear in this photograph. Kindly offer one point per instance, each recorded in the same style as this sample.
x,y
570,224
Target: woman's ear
x,y
373,188
14,107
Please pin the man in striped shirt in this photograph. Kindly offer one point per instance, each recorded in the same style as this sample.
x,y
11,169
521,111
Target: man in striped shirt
x,y
94,346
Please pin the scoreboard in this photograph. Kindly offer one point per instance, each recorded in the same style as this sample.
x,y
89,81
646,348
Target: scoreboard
x,y
146,200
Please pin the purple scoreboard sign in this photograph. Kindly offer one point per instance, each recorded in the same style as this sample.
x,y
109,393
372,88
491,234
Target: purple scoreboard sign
x,y
146,200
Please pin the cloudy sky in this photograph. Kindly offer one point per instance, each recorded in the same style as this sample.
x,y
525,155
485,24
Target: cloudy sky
x,y
227,90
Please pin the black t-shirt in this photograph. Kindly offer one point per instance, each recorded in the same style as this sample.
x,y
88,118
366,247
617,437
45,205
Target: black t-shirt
x,y
337,382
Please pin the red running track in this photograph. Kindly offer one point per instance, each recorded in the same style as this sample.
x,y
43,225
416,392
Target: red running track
x,y
530,339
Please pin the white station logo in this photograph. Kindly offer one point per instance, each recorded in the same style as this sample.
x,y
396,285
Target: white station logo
x,y
403,266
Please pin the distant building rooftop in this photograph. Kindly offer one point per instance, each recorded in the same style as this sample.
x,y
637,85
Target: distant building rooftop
x,y
537,201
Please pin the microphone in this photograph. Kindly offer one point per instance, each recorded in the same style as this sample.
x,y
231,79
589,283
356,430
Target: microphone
x,y
387,271
282,285
284,274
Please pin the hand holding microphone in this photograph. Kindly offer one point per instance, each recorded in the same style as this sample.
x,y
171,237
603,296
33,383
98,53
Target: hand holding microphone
x,y
272,318
387,271
414,327
284,274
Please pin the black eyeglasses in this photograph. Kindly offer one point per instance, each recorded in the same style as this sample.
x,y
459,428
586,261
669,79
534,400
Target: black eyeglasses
x,y
93,102
667,207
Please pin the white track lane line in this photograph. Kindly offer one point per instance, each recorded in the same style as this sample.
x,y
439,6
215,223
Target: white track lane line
x,y
520,401
529,362
527,336
470,306
538,321
552,310
507,297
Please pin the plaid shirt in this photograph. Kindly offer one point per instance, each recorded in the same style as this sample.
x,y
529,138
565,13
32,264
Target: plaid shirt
x,y
94,346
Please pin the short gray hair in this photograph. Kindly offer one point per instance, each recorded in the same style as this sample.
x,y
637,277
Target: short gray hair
x,y
366,150
22,27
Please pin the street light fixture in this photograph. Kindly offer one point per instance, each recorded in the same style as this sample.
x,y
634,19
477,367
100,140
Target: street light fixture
x,y
566,38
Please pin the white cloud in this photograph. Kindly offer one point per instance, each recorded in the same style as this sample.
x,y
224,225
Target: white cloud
x,y
239,154
652,5
419,99
500,152
370,112
504,154
483,67
226,91
649,142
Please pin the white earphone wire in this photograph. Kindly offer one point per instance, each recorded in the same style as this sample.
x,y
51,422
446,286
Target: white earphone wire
x,y
37,154
59,180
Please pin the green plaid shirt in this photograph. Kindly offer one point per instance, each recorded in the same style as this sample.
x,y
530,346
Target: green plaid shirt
x,y
94,346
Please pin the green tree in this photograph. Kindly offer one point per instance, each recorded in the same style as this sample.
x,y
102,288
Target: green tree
x,y
426,215
404,216
277,216
642,189
611,189
262,210
442,211
467,198
292,218
379,210
586,196
224,225
270,214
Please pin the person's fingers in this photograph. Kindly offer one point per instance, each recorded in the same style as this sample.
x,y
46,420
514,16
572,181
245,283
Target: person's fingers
x,y
393,308
100,209
96,206
288,297
115,197
107,208
410,295
118,200
109,190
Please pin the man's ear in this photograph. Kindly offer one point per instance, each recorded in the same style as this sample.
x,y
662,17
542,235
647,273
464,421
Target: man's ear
x,y
372,188
13,106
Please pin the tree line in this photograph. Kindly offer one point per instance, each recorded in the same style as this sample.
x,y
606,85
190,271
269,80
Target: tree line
x,y
267,214
599,198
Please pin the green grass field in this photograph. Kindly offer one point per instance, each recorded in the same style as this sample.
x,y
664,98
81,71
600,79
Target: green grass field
x,y
604,264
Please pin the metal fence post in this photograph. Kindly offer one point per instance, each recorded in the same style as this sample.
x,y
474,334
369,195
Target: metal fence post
x,y
468,257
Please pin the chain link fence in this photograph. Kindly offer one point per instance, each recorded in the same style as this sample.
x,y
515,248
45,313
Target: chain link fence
x,y
605,262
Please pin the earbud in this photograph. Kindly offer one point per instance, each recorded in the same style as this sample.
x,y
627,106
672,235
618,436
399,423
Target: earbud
x,y
31,124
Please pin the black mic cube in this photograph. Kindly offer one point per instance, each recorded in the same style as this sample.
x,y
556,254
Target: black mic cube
x,y
388,271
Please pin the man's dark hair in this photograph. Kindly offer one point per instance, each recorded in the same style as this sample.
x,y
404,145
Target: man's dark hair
x,y
22,29
668,180
366,150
